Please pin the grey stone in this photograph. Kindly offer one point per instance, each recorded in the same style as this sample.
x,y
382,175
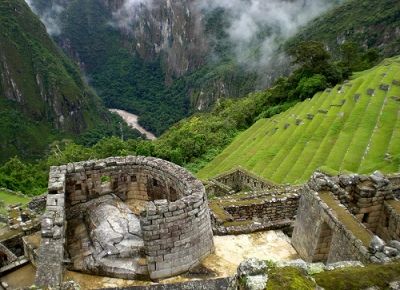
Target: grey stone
x,y
382,257
395,285
343,264
252,266
394,244
390,252
70,285
256,282
298,263
376,244
315,268
379,179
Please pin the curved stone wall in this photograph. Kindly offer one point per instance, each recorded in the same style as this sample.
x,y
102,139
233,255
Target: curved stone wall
x,y
174,215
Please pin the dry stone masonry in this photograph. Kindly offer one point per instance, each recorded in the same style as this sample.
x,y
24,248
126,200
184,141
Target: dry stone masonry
x,y
246,203
127,217
341,218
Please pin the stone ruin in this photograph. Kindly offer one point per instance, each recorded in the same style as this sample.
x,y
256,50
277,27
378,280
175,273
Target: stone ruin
x,y
246,203
334,218
130,218
349,218
141,218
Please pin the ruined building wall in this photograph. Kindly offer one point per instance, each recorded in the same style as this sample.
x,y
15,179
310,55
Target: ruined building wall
x,y
389,223
346,211
274,210
240,179
179,203
318,235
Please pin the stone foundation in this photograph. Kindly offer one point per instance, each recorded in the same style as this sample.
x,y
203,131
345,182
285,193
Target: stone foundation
x,y
174,219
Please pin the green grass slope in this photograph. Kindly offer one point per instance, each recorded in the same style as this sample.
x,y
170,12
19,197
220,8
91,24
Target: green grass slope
x,y
353,127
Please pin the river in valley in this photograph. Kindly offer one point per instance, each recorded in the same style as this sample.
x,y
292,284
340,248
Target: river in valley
x,y
132,120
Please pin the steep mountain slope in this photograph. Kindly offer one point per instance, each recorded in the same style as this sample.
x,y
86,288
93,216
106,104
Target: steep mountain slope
x,y
145,59
42,95
369,23
351,127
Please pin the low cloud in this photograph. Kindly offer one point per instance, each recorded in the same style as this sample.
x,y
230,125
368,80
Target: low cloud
x,y
258,27
50,17
125,16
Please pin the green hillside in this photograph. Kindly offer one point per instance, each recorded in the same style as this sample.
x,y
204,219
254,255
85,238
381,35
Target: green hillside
x,y
369,23
351,127
42,94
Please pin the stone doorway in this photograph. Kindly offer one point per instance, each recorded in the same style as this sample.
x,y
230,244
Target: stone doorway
x,y
323,245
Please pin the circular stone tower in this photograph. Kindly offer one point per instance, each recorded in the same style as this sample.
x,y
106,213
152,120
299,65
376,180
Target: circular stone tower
x,y
125,217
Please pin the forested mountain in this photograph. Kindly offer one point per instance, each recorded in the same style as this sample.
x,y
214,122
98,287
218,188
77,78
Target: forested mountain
x,y
42,94
150,61
369,24
165,60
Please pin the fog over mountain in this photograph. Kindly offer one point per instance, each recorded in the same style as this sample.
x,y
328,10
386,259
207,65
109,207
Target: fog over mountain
x,y
263,25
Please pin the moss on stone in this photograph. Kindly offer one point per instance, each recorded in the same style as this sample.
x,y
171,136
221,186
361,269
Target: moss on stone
x,y
288,278
237,223
359,278
347,219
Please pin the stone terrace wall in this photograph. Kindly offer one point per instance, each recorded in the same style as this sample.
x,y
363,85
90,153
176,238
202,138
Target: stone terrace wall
x,y
272,210
313,219
179,203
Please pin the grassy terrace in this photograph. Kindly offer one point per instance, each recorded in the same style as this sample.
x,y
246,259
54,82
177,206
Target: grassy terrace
x,y
7,198
346,128
347,219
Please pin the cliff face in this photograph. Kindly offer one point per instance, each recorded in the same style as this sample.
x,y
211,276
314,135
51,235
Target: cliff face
x,y
40,89
168,30
171,29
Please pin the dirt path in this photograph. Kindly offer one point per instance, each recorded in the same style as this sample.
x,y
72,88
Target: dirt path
x,y
132,120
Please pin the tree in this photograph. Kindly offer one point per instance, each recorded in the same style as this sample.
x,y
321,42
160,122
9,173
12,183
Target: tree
x,y
312,56
307,87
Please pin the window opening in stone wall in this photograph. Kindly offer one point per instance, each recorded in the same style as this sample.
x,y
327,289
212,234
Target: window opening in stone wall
x,y
78,186
133,178
365,218
155,182
386,222
173,196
